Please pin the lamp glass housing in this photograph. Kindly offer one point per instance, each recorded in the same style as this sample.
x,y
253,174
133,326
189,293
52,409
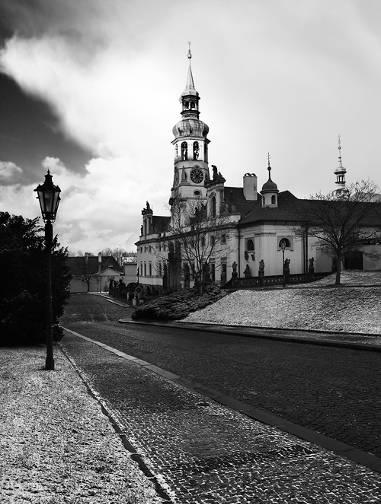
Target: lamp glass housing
x,y
49,197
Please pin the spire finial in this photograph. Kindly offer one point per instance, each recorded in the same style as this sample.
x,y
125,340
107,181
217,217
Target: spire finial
x,y
339,149
189,51
269,165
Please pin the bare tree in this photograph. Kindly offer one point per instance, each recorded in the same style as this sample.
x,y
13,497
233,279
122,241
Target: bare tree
x,y
342,222
106,251
201,239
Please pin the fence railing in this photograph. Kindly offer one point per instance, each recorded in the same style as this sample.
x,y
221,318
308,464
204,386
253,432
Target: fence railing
x,y
269,281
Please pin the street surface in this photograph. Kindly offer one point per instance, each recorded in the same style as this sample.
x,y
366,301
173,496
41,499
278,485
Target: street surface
x,y
334,391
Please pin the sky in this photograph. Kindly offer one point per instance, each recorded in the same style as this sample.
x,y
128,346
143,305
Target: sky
x,y
90,90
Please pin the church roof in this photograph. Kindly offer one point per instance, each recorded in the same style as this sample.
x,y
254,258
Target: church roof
x,y
160,224
292,209
235,201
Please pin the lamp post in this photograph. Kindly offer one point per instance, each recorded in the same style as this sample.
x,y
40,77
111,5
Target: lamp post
x,y
283,245
48,195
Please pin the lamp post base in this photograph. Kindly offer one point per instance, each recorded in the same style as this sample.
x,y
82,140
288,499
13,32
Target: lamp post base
x,y
49,364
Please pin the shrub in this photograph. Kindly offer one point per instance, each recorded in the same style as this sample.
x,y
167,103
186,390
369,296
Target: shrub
x,y
23,288
178,304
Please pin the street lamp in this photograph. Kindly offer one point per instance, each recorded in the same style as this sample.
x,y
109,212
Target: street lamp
x,y
49,197
283,245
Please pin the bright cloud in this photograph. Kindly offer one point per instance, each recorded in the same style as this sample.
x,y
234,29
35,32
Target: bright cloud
x,y
9,172
97,210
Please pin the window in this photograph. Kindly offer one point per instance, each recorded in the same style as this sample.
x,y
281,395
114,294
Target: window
x,y
159,269
213,206
212,241
197,193
145,269
192,104
150,269
287,241
223,239
141,269
273,199
202,241
196,150
184,151
212,271
250,245
223,270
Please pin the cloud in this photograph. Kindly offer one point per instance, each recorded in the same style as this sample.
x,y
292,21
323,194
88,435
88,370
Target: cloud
x,y
10,173
97,210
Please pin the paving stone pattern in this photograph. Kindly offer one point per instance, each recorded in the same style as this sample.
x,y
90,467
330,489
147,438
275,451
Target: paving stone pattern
x,y
334,391
205,453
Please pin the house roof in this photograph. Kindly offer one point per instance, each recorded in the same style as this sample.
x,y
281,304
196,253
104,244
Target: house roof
x,y
88,265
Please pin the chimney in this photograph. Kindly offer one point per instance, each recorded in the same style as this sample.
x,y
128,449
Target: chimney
x,y
99,262
250,187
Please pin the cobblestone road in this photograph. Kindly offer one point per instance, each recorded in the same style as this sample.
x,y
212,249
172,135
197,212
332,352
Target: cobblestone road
x,y
333,391
205,453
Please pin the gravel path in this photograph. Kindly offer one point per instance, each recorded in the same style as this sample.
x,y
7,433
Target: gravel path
x,y
56,445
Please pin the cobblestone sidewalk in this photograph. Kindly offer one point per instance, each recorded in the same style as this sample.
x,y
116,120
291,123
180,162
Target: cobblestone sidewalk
x,y
56,445
202,452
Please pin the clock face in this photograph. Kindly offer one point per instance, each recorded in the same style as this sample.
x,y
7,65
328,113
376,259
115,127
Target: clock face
x,y
196,175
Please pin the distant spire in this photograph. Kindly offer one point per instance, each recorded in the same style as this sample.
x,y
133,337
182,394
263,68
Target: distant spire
x,y
340,172
269,165
189,51
339,149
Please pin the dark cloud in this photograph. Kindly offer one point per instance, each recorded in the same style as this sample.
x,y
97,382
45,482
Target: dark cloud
x,y
29,132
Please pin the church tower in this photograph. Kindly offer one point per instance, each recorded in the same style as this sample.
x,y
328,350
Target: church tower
x,y
191,171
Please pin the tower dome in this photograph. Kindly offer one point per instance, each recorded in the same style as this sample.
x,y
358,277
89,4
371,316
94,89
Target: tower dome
x,y
190,127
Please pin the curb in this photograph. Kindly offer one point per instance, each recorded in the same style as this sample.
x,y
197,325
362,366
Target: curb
x,y
117,426
260,332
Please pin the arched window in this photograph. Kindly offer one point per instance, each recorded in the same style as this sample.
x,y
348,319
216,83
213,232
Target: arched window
x,y
213,206
184,151
205,152
196,150
250,245
285,242
192,104
273,199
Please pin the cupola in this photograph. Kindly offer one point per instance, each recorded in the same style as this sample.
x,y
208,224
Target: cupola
x,y
269,190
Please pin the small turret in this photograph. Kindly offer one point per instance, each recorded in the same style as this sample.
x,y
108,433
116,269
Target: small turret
x,y
269,189
340,173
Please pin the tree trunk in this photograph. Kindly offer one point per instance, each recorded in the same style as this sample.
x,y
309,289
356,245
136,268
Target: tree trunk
x,y
338,270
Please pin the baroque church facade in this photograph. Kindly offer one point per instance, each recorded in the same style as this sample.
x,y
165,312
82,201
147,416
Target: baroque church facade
x,y
255,231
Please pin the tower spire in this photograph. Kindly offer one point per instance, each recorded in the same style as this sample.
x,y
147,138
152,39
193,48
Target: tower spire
x,y
189,87
340,171
269,165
